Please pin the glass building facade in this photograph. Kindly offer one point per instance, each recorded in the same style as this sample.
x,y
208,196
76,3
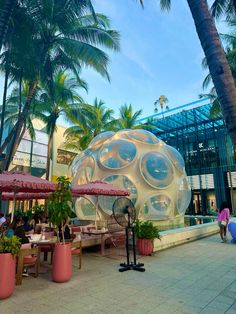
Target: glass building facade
x,y
205,145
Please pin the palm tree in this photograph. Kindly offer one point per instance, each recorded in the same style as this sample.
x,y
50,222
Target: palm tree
x,y
128,118
216,60
88,123
162,101
64,36
61,100
230,51
221,7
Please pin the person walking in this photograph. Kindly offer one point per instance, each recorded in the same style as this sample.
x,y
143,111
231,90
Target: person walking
x,y
223,220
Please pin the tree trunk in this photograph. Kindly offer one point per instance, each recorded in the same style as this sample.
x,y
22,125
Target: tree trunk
x,y
5,15
217,63
49,155
13,148
4,103
22,119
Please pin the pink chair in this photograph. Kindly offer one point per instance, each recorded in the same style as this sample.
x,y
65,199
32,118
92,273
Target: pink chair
x,y
75,229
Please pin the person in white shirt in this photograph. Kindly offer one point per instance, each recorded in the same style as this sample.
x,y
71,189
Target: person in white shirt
x,y
2,219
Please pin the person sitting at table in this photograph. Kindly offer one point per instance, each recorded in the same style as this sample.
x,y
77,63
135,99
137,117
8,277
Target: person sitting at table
x,y
19,230
27,226
2,219
67,235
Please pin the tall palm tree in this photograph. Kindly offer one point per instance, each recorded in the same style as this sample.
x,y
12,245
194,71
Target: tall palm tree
x,y
230,50
64,36
162,101
61,100
216,60
88,122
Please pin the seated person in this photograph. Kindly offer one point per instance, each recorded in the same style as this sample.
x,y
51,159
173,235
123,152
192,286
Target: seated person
x,y
2,219
26,226
19,230
67,235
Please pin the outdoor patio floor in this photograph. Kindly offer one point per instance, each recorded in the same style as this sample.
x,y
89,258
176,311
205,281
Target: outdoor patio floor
x,y
198,277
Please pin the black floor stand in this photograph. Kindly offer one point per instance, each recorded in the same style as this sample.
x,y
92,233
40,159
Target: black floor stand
x,y
131,265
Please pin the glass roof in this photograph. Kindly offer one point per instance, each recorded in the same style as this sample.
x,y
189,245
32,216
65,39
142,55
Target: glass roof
x,y
186,121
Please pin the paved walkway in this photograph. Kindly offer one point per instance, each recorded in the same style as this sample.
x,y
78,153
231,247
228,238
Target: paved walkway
x,y
198,277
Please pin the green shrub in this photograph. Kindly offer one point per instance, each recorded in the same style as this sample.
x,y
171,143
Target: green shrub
x,y
10,245
146,230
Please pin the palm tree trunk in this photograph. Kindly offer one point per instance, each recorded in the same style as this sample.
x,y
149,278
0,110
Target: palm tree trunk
x,y
16,130
4,102
5,15
49,155
217,63
13,148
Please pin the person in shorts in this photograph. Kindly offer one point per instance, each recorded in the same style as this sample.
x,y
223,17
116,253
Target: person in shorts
x,y
223,220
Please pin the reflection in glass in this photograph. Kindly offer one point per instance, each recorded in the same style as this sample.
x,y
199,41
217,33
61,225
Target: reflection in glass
x,y
157,170
183,196
117,154
158,206
85,209
143,136
176,157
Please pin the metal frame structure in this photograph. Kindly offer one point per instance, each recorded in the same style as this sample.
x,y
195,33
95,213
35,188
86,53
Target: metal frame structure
x,y
206,147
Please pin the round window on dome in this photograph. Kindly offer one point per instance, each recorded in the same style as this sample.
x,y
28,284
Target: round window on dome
x,y
85,170
156,170
85,209
117,154
100,138
175,157
157,207
106,203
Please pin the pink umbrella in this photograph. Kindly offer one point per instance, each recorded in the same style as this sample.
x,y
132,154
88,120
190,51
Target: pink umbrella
x,y
23,182
99,188
7,196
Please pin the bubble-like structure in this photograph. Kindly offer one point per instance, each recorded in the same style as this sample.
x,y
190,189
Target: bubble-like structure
x,y
138,161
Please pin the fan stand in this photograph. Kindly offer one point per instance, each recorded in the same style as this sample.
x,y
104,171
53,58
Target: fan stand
x,y
130,265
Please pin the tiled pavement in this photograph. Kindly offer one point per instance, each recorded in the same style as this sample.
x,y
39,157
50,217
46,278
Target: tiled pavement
x,y
198,277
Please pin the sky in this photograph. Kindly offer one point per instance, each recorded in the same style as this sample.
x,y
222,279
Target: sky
x,y
160,55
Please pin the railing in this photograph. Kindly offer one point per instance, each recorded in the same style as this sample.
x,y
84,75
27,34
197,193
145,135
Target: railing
x,y
191,220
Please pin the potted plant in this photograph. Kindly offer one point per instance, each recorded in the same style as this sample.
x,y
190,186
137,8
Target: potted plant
x,y
9,248
145,232
59,210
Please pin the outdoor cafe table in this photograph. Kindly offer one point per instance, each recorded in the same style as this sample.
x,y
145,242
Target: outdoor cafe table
x,y
102,234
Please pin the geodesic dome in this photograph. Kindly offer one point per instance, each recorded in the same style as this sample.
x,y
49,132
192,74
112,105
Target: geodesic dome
x,y
138,161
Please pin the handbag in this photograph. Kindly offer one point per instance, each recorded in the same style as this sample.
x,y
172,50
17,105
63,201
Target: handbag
x,y
223,223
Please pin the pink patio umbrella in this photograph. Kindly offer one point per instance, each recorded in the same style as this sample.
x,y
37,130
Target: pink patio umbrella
x,y
7,196
99,188
23,182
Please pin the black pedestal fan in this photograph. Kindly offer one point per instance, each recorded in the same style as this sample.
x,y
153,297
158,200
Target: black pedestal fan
x,y
125,215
